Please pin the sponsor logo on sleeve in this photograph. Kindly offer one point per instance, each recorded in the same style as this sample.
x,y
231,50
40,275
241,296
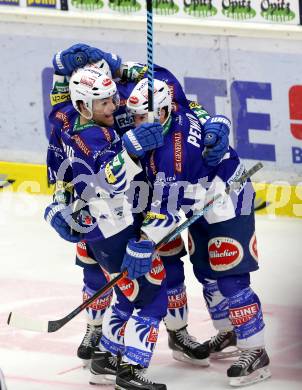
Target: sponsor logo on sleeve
x,y
81,144
224,253
178,152
59,98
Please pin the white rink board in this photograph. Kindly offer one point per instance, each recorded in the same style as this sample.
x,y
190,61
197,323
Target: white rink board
x,y
247,79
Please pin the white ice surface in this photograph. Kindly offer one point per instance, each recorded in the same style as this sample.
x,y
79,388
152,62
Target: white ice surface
x,y
38,278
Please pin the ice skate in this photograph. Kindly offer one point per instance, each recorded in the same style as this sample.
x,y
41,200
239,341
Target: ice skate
x,y
131,377
223,345
89,342
186,349
103,368
251,367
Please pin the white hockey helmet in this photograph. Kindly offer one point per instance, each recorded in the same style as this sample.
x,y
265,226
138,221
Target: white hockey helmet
x,y
91,84
137,102
102,66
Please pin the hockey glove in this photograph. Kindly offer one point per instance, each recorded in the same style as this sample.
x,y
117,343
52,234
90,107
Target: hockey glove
x,y
60,218
77,56
146,137
138,258
216,139
69,60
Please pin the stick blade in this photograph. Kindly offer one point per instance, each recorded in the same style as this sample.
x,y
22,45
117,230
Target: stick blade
x,y
22,322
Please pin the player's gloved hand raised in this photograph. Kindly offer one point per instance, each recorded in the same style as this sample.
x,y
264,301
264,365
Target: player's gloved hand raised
x,y
138,258
216,139
59,216
78,55
145,137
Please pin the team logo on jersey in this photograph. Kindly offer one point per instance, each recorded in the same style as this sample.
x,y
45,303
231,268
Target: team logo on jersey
x,y
253,247
129,288
153,335
241,315
224,253
177,139
157,273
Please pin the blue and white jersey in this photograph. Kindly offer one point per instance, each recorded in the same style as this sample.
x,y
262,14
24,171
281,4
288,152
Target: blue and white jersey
x,y
181,180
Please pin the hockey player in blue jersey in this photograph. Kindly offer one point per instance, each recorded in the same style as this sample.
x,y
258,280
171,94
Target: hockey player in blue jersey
x,y
185,349
223,242
98,157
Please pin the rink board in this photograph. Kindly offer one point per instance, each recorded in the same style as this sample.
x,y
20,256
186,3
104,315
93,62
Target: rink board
x,y
283,199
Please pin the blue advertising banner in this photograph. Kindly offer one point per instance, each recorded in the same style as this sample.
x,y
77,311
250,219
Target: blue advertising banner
x,y
10,2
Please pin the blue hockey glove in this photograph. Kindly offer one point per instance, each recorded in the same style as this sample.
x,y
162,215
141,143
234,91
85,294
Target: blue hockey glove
x,y
138,258
216,139
146,137
59,216
67,61
77,56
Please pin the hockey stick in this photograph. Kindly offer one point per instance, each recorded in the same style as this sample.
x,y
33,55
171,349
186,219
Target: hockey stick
x,y
22,322
150,61
260,204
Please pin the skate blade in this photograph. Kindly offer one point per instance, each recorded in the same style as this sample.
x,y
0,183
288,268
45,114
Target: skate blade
x,y
182,357
226,353
102,379
258,376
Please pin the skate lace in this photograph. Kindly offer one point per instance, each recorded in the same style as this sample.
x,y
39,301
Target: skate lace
x,y
186,339
91,333
218,339
139,374
113,361
246,358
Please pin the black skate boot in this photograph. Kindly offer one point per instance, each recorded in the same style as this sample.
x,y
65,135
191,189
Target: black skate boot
x,y
103,368
186,349
251,367
223,345
89,342
131,377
